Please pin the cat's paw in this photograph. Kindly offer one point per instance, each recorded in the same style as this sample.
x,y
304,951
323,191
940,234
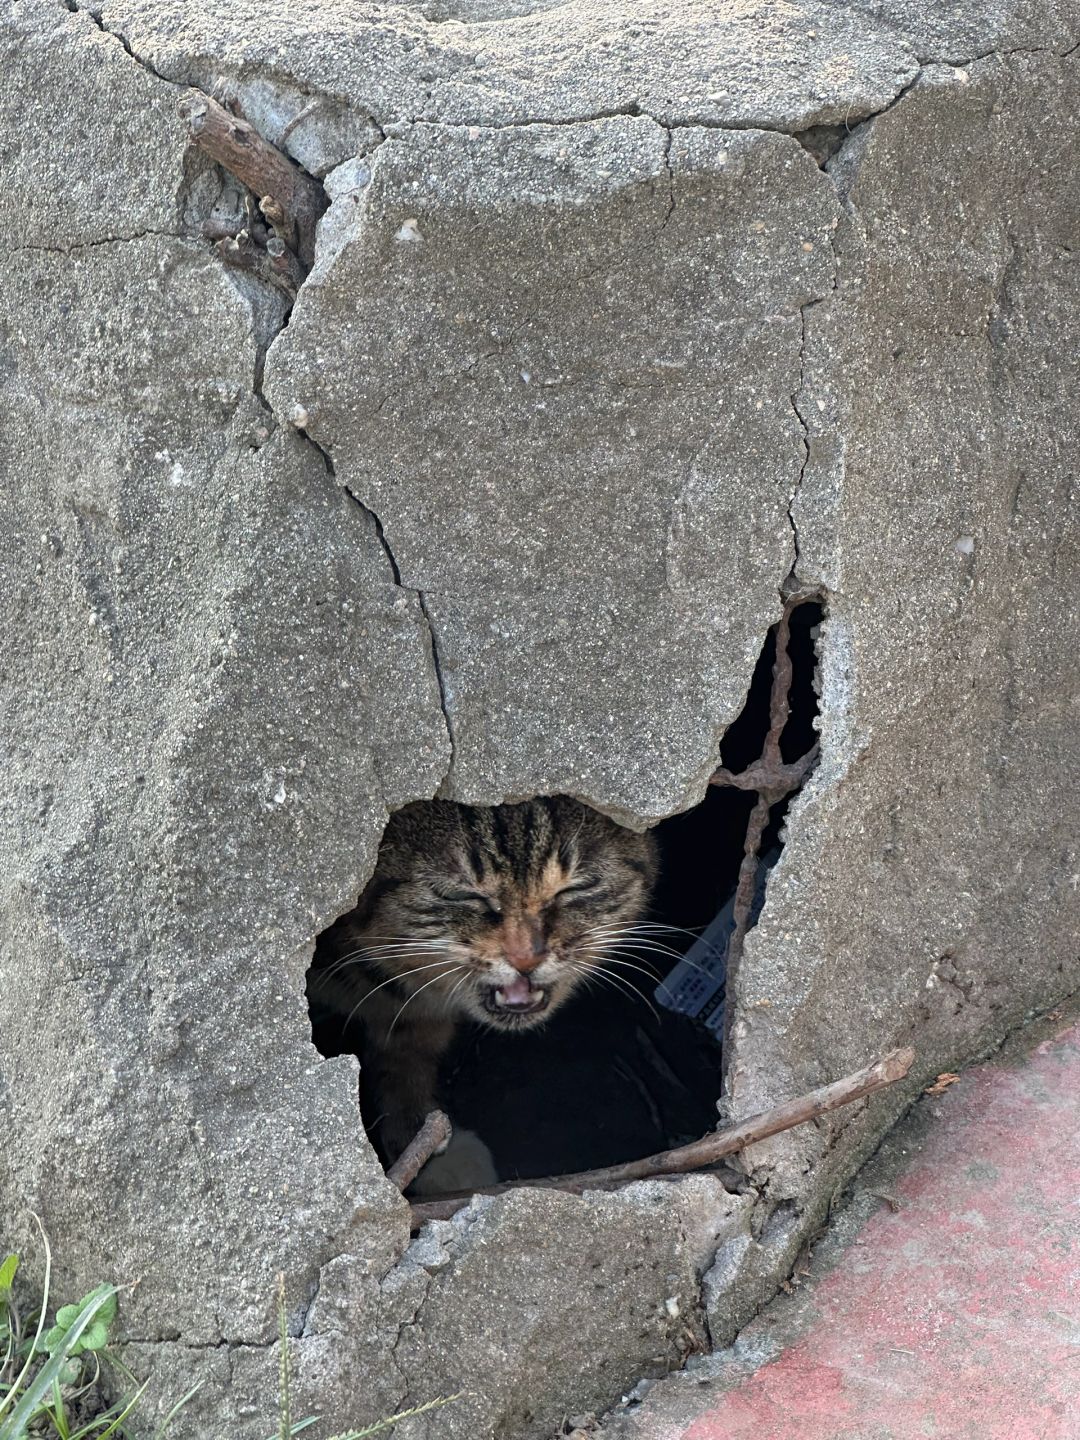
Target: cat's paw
x,y
465,1164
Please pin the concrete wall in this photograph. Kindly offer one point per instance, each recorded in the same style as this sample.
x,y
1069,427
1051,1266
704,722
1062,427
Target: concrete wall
x,y
593,358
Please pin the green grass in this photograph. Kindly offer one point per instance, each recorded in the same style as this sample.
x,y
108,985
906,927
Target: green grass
x,y
287,1427
49,1375
48,1378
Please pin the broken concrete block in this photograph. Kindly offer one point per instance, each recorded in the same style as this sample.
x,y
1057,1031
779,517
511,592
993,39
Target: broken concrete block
x,y
594,358
478,343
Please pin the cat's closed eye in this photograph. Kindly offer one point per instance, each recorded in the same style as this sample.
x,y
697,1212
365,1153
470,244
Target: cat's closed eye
x,y
579,891
470,897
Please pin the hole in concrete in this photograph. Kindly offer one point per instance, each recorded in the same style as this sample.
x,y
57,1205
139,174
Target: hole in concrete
x,y
631,1064
823,141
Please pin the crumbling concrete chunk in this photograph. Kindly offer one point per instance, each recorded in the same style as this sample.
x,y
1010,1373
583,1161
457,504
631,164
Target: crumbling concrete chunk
x,y
608,299
953,392
517,62
73,175
517,1303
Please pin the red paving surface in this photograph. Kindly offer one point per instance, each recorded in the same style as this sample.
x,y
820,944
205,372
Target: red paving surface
x,y
957,1316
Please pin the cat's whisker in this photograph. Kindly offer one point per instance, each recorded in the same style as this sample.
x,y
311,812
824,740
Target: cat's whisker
x,y
404,943
584,972
607,958
603,958
681,959
605,943
389,936
630,934
415,970
649,974
426,986
365,952
457,986
598,962
632,943
357,960
701,970
354,960
625,935
622,987
397,947
634,946
670,929
643,947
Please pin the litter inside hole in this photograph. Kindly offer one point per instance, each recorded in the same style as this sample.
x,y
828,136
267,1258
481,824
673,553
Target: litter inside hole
x,y
630,1064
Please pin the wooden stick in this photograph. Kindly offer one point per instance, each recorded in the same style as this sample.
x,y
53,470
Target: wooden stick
x,y
767,774
273,262
433,1135
265,170
772,780
710,1148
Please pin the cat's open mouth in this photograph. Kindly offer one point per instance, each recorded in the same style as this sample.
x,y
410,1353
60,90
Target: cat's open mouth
x,y
520,997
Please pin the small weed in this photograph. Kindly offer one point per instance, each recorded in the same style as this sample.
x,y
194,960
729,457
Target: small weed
x,y
288,1427
49,1379
45,1378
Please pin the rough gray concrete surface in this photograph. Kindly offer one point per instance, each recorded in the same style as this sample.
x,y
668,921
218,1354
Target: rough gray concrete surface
x,y
547,374
609,357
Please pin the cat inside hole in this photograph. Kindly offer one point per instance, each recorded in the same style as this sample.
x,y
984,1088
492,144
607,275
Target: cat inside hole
x,y
489,916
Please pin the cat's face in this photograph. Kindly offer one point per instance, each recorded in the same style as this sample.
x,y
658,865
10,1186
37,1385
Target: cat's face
x,y
509,908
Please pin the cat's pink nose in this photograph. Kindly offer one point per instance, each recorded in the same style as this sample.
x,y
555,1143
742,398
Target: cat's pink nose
x,y
524,964
523,947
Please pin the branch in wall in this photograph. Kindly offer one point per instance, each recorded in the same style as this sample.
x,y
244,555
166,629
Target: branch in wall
x,y
706,1151
772,779
433,1136
290,200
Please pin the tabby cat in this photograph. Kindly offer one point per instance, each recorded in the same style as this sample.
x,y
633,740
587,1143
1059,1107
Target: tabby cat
x,y
490,915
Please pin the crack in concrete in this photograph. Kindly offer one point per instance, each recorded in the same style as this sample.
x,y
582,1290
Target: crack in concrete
x,y
440,677
671,177
831,151
852,121
798,405
263,347
421,598
389,127
996,53
851,127
76,245
75,8
804,440
198,1346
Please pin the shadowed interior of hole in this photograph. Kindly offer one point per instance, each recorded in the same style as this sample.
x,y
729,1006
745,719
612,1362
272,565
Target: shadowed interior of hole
x,y
614,1075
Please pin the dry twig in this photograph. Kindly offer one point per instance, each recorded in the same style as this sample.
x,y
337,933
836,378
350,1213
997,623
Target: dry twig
x,y
282,187
772,779
272,261
706,1151
432,1136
